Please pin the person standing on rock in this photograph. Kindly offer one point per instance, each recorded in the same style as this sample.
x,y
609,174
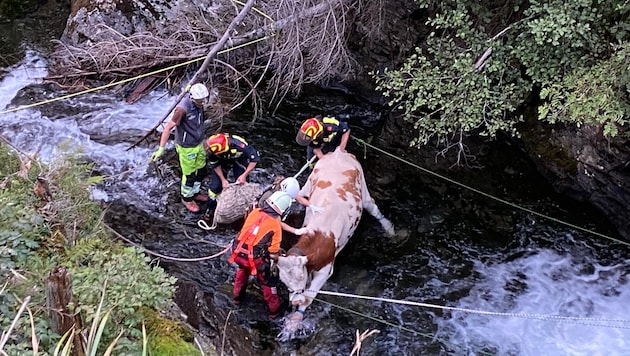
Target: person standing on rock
x,y
187,121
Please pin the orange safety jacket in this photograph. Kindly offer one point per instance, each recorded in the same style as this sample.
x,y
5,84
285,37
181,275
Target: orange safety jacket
x,y
257,229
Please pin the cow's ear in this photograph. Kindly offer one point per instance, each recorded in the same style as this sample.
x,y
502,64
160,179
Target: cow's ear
x,y
302,260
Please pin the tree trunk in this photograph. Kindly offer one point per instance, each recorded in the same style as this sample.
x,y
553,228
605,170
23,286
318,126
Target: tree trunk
x,y
58,297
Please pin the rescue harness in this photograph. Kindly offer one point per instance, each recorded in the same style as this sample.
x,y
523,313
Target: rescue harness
x,y
246,247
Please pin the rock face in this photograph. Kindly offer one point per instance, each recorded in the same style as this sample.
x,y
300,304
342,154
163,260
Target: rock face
x,y
582,164
98,20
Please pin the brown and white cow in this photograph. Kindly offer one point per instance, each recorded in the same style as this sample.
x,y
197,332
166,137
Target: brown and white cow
x,y
337,186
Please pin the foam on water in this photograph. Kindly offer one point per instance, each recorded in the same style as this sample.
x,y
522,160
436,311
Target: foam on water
x,y
590,298
100,129
31,70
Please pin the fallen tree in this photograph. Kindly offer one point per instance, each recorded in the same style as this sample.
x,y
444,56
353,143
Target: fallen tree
x,y
274,51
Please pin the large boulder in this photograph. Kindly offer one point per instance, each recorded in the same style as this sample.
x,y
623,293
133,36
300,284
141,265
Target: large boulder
x,y
100,20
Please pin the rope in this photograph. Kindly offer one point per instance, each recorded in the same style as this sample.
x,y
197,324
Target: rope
x,y
569,319
360,338
204,225
306,165
21,107
492,196
260,12
226,249
396,326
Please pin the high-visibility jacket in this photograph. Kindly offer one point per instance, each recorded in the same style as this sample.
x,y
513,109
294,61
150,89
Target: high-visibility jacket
x,y
261,234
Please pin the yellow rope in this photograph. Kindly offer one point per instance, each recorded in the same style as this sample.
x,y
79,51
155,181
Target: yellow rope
x,y
492,196
255,10
145,74
128,79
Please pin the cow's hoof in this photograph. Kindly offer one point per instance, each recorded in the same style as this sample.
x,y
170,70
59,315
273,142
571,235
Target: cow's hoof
x,y
293,322
292,325
388,227
296,316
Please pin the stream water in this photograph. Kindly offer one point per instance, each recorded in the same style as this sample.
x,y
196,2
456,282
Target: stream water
x,y
472,275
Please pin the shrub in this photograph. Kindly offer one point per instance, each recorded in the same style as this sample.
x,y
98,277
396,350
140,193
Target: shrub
x,y
34,237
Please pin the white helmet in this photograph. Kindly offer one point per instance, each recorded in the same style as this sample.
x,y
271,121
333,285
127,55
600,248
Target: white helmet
x,y
279,202
199,91
290,186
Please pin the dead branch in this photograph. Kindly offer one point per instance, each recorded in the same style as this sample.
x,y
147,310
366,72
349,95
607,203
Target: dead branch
x,y
204,66
306,43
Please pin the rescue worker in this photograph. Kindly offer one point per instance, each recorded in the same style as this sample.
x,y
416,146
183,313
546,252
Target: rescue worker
x,y
323,135
257,247
227,153
187,120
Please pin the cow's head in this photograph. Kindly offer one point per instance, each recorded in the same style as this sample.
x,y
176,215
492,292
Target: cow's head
x,y
294,275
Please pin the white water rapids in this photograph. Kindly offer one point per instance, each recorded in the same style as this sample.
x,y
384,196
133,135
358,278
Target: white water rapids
x,y
555,273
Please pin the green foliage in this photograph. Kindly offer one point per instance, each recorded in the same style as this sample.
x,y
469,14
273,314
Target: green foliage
x,y
19,233
71,199
27,226
592,95
131,283
447,90
563,36
442,89
167,337
22,228
23,266
9,162
161,345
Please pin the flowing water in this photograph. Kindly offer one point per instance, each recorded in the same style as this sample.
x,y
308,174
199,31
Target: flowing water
x,y
465,274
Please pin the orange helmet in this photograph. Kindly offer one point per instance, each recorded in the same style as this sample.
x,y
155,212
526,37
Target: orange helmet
x,y
217,143
309,131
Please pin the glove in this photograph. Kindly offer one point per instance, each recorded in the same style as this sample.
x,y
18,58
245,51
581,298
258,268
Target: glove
x,y
157,154
301,231
316,209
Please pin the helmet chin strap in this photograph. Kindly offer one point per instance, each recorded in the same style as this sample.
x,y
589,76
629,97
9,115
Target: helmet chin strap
x,y
286,213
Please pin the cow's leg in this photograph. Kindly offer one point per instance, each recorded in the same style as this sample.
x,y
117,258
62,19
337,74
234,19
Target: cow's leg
x,y
370,206
318,279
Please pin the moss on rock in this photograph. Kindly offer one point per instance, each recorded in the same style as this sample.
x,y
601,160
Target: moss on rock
x,y
168,337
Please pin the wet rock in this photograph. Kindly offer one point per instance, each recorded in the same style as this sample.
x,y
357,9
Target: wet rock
x,y
187,298
581,164
102,20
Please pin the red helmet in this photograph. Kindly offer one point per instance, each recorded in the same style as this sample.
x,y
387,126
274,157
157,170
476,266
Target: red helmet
x,y
309,131
217,143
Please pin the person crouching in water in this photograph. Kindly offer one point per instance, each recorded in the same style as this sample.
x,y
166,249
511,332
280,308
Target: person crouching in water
x,y
257,246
